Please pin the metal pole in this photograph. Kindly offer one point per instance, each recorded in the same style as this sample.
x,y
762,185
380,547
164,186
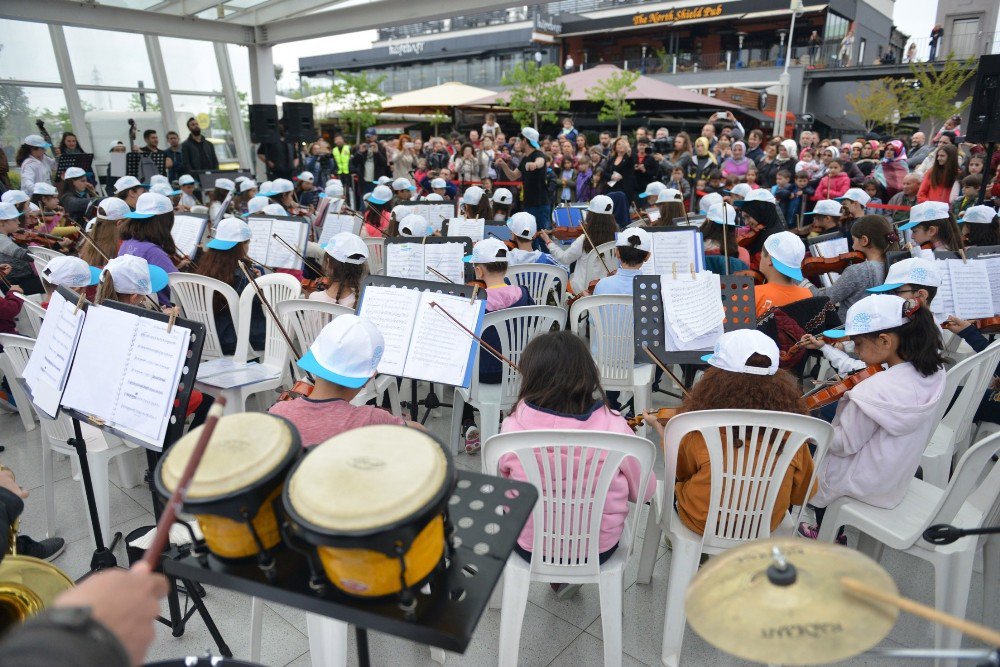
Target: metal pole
x,y
162,85
782,108
237,128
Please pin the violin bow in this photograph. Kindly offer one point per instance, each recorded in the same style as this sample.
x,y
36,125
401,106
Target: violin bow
x,y
583,228
665,369
304,259
486,346
277,321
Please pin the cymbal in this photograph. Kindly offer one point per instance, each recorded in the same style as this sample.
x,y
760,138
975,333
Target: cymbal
x,y
743,603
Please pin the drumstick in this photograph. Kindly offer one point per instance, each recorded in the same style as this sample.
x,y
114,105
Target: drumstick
x,y
155,550
649,353
486,346
984,634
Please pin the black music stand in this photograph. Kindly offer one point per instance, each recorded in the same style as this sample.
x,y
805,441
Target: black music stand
x,y
133,158
84,161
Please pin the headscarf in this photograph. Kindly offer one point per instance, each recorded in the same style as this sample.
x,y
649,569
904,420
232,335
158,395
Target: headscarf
x,y
899,151
890,173
704,143
792,148
834,150
733,167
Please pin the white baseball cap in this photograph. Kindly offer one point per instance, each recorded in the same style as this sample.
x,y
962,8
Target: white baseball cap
x,y
708,201
225,184
438,184
877,312
734,348
856,194
150,204
910,271
760,194
926,212
115,143
257,204
346,352
279,186
164,189
402,184
637,238
14,197
45,189
787,252
71,272
134,275
981,214
239,179
740,190
8,211
654,188
306,176
415,225
383,180
722,214
186,179
381,194
158,178
74,172
826,207
347,248
488,251
531,134
522,224
113,208
473,195
503,196
334,188
33,208
433,197
127,183
275,209
36,141
264,188
668,194
229,233
601,204
247,184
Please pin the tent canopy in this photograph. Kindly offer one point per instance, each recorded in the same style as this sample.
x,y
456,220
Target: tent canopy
x,y
646,88
435,98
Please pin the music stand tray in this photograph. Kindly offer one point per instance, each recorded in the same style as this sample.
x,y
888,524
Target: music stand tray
x,y
84,161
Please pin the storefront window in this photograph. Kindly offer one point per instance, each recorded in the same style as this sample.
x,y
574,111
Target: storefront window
x,y
836,27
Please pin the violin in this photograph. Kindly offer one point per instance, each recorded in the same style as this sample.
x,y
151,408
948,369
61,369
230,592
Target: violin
x,y
749,238
835,392
817,266
988,325
25,237
301,389
662,415
567,233
310,285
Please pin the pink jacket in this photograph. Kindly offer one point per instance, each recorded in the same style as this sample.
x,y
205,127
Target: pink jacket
x,y
624,487
831,188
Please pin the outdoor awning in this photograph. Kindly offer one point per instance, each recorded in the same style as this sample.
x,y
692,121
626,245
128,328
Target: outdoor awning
x,y
435,98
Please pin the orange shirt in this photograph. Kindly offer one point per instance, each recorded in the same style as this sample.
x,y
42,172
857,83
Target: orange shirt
x,y
773,295
694,483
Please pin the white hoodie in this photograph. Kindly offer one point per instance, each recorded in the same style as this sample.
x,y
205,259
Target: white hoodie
x,y
879,434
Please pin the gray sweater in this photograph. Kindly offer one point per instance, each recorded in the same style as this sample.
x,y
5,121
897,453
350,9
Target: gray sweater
x,y
850,287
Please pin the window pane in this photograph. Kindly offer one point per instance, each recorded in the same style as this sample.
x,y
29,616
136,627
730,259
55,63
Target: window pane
x,y
121,59
200,107
26,52
239,60
20,106
190,64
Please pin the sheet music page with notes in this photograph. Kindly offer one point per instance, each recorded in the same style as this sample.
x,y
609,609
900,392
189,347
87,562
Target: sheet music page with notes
x,y
474,229
943,303
439,350
993,270
49,364
693,308
335,223
447,258
187,231
675,250
392,310
970,289
830,248
260,239
406,260
437,213
294,234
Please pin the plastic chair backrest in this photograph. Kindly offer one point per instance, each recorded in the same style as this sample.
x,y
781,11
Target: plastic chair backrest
x,y
540,279
516,327
305,318
196,296
16,351
605,250
611,334
376,254
969,378
276,288
968,484
745,479
42,256
572,490
33,314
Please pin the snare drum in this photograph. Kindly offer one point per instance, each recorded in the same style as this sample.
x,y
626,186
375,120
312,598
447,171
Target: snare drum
x,y
370,504
241,473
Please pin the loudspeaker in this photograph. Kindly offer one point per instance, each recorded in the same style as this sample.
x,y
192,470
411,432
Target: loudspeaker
x,y
984,114
263,123
297,118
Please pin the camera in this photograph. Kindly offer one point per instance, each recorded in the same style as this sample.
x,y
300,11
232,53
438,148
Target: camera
x,y
662,146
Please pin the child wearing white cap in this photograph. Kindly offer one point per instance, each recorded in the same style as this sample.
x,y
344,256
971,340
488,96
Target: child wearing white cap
x,y
415,225
854,202
246,190
77,193
103,231
523,230
376,212
825,218
128,189
36,166
403,189
12,255
601,227
632,249
224,187
781,263
742,374
187,185
706,203
70,272
981,226
129,279
146,234
882,425
306,191
719,234
670,204
475,204
345,265
501,202
762,218
933,227
50,214
341,361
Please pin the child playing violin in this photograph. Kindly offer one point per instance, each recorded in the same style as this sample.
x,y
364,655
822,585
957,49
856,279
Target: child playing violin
x,y
305,190
982,226
523,231
761,216
600,226
14,255
882,425
933,227
632,249
825,218
989,407
502,201
670,203
719,233
743,374
781,263
345,264
475,204
70,272
376,213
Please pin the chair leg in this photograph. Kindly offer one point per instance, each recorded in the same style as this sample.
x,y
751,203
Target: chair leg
x,y
683,567
128,468
48,488
458,403
496,598
256,627
991,581
327,641
869,546
515,601
393,391
952,579
438,655
650,545
612,587
489,421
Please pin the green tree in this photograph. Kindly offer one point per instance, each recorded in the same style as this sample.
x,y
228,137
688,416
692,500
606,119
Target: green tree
x,y
437,119
535,94
612,94
152,102
933,95
877,103
15,113
220,114
359,98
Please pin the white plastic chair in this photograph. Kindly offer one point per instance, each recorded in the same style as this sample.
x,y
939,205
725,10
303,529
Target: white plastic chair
x,y
376,254
590,267
56,433
969,378
744,488
516,327
969,501
567,522
540,280
196,296
12,364
31,316
612,345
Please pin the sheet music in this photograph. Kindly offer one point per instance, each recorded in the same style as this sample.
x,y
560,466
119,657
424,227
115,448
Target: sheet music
x,y
187,231
680,249
336,223
406,260
693,308
437,213
474,229
993,269
392,310
970,289
447,258
228,374
439,350
943,303
260,239
830,248
117,163
49,363
293,232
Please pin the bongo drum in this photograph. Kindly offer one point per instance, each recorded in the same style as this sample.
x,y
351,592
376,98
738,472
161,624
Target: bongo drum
x,y
370,506
240,475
